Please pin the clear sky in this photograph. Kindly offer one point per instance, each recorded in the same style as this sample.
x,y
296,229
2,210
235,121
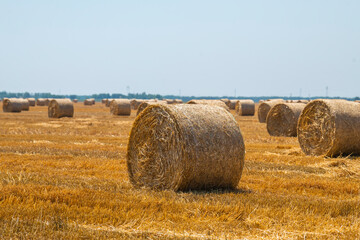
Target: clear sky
x,y
197,47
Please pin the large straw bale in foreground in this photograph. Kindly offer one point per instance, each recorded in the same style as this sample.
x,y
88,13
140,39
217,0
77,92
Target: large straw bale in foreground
x,y
120,107
218,103
32,102
282,119
265,107
145,104
330,128
12,105
59,108
184,147
245,107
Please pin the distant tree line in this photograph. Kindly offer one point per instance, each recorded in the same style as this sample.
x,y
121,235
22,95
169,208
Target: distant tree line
x,y
143,95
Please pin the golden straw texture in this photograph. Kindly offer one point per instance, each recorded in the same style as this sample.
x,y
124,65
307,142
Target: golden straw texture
x,y
120,107
218,103
282,119
184,147
12,105
265,107
330,128
59,108
245,107
145,104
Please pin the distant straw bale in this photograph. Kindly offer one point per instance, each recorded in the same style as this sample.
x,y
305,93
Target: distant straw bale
x,y
303,101
32,102
178,101
245,107
282,119
145,104
265,107
25,104
59,108
103,101
232,104
170,101
226,101
185,147
330,128
75,100
358,101
41,102
120,107
108,102
135,103
12,105
89,102
209,102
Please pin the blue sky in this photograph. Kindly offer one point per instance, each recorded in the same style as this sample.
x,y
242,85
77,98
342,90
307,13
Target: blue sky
x,y
194,47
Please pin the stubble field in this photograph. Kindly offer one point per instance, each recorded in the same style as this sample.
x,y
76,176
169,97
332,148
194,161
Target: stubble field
x,y
67,178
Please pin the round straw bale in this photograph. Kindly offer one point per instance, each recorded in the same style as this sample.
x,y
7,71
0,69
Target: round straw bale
x,y
185,147
303,101
245,107
41,102
135,103
108,102
282,119
265,107
47,101
358,101
12,105
218,103
103,101
226,101
170,101
232,103
59,108
31,102
88,102
178,101
25,105
120,107
75,100
145,104
330,128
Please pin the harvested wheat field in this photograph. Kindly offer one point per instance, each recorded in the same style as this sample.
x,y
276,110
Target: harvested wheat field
x,y
67,178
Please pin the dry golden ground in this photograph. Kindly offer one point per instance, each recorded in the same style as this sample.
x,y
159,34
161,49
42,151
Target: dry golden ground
x,y
67,178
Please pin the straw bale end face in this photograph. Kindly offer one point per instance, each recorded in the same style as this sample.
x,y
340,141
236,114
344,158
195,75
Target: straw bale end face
x,y
330,128
12,105
282,119
185,147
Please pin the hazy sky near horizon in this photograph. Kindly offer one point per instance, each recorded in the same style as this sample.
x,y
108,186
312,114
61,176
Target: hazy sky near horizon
x,y
199,48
